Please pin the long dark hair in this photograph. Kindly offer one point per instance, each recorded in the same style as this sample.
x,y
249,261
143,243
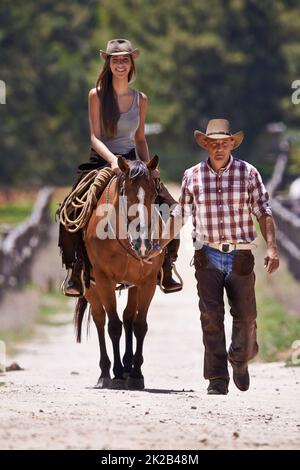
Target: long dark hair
x,y
110,113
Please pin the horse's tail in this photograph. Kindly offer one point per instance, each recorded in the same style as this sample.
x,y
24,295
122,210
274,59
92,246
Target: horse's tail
x,y
78,317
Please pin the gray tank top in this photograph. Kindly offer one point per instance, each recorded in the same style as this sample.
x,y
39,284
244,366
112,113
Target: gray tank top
x,y
127,127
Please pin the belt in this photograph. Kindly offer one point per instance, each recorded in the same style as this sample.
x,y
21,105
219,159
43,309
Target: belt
x,y
227,247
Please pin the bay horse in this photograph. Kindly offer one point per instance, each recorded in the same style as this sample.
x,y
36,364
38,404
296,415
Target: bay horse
x,y
117,259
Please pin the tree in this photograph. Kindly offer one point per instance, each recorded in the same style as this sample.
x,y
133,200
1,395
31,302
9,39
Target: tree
x,y
199,60
46,54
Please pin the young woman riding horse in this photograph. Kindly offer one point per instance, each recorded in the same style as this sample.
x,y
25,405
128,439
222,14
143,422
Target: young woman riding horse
x,y
117,119
121,259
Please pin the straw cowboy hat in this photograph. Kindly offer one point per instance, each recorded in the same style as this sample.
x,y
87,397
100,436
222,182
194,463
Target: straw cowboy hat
x,y
119,47
218,129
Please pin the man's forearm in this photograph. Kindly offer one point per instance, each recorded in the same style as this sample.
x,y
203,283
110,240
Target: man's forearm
x,y
267,228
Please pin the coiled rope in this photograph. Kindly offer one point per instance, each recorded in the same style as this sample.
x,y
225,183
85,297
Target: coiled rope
x,y
77,208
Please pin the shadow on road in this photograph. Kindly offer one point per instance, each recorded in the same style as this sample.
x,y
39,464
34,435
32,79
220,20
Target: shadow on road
x,y
166,391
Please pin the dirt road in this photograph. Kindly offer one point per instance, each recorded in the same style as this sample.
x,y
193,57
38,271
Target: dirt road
x,y
52,405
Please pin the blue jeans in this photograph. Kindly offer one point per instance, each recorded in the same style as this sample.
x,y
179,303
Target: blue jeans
x,y
220,260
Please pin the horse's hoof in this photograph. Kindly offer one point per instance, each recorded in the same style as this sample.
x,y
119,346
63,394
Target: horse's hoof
x,y
103,382
118,384
135,384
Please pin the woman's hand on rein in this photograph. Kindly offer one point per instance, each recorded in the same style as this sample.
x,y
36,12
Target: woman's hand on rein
x,y
115,167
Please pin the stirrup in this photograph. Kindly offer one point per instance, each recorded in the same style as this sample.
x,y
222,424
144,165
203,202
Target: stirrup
x,y
65,281
177,274
177,289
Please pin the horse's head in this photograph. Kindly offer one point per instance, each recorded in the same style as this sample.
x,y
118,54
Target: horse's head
x,y
138,193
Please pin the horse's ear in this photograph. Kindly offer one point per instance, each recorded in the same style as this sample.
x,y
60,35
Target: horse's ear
x,y
123,165
153,164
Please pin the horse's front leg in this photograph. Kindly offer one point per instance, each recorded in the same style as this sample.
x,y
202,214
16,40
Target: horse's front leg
x,y
106,292
140,327
128,317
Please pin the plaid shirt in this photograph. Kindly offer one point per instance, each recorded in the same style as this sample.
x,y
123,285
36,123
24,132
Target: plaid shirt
x,y
222,203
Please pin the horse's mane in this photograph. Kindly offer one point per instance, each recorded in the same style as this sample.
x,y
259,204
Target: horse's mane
x,y
137,168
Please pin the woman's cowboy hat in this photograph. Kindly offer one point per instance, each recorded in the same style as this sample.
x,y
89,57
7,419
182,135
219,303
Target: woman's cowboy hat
x,y
218,129
119,47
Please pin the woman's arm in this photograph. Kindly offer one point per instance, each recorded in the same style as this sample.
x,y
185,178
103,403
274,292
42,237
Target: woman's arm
x,y
94,120
140,139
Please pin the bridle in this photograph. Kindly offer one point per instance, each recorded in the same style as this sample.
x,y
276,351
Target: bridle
x,y
130,249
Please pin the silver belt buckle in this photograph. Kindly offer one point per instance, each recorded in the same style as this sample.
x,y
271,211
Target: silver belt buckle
x,y
225,247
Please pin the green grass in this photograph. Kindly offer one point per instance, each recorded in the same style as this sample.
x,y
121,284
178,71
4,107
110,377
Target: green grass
x,y
14,337
54,310
53,208
14,213
277,330
278,320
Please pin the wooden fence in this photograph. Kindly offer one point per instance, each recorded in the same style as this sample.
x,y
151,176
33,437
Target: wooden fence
x,y
287,221
20,245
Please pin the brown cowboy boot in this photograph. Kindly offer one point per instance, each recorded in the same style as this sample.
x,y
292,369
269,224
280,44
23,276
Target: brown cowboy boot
x,y
241,376
218,386
165,280
73,284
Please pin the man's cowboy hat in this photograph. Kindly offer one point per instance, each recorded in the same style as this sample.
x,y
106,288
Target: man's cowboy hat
x,y
119,47
218,129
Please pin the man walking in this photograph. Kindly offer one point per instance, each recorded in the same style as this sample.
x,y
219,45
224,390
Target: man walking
x,y
222,194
